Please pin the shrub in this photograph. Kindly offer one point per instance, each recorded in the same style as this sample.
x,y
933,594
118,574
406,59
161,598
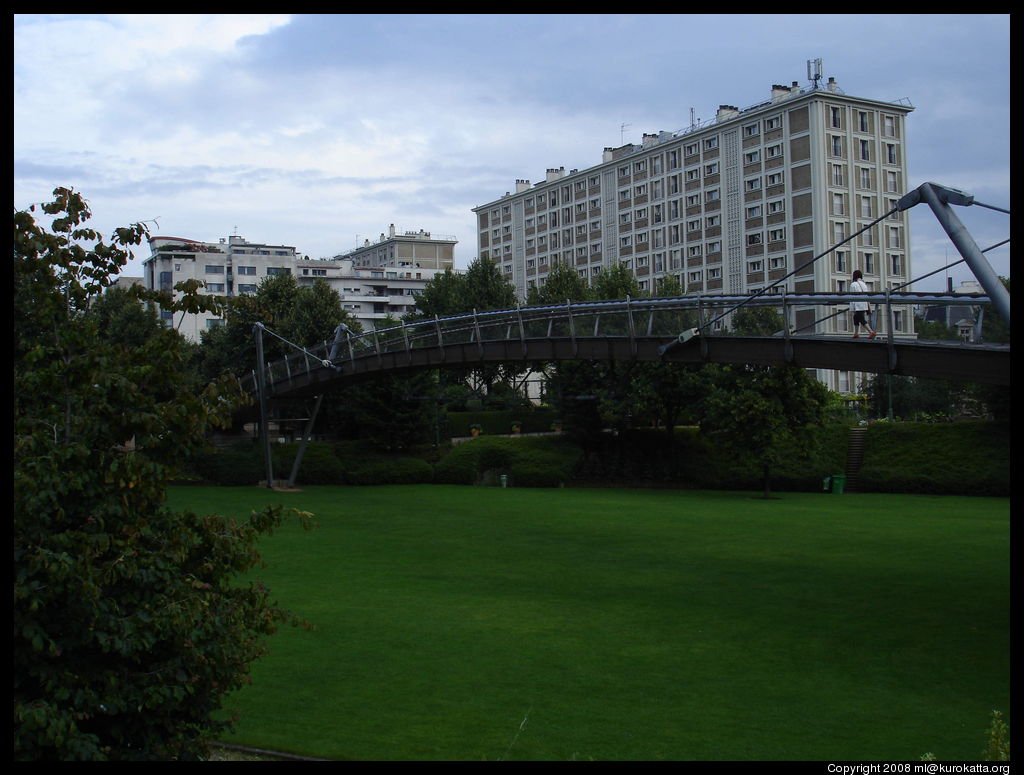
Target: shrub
x,y
235,466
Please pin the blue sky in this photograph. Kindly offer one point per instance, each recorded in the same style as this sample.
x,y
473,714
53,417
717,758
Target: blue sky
x,y
320,131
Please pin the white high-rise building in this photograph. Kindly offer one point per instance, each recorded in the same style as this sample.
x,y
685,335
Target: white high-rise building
x,y
727,206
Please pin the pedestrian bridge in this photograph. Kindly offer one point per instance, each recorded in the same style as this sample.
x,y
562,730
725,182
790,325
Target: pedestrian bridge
x,y
672,330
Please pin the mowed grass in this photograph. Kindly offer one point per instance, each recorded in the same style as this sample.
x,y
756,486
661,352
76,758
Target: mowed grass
x,y
469,623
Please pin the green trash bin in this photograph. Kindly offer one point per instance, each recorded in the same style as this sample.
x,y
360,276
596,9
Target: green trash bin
x,y
504,480
838,483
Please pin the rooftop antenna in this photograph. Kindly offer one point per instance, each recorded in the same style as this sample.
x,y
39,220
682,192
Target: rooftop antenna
x,y
622,133
814,71
693,120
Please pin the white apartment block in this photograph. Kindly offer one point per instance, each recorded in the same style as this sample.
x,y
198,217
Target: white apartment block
x,y
370,292
415,249
728,206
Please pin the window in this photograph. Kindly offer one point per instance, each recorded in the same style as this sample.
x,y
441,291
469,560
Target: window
x,y
895,237
715,247
837,145
838,204
774,179
837,174
773,151
714,274
691,149
776,235
865,150
711,142
865,176
869,263
865,207
755,266
277,270
215,287
695,251
211,269
841,260
779,262
692,200
243,288
711,169
778,206
694,277
754,184
772,123
755,239
895,263
712,220
320,273
754,211
693,225
892,181
889,126
711,196
752,157
891,156
751,130
863,121
673,159
836,117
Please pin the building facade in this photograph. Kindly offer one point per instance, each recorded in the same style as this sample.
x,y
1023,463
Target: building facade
x,y
373,286
728,206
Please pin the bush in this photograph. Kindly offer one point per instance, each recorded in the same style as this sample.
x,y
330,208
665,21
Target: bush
x,y
403,470
235,466
529,462
319,463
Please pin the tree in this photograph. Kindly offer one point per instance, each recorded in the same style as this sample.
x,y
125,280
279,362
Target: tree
x,y
130,624
480,288
760,412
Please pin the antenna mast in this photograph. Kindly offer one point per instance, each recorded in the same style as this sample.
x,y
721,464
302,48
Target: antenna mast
x,y
814,71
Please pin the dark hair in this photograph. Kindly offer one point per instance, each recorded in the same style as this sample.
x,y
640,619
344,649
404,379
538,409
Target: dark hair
x,y
856,274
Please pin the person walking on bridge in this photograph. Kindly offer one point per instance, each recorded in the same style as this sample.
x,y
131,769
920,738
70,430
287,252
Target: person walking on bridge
x,y
860,308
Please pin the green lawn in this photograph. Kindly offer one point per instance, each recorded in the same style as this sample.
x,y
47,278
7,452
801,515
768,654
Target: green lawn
x,y
470,623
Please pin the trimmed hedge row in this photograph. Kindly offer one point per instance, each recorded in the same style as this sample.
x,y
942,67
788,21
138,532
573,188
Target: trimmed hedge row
x,y
539,461
967,458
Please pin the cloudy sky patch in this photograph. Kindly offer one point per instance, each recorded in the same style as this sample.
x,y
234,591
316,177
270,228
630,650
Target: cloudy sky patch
x,y
319,131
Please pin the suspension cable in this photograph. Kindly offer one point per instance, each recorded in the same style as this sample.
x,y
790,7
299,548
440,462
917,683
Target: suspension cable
x,y
323,361
948,266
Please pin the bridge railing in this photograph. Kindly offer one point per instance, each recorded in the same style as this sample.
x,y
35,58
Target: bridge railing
x,y
804,314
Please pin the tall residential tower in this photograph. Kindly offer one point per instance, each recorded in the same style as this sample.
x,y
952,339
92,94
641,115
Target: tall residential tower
x,y
727,206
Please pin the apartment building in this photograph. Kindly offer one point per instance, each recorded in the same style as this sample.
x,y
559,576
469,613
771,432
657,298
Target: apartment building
x,y
416,249
727,206
372,290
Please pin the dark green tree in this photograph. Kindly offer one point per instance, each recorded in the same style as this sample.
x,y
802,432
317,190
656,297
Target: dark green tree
x,y
761,413
756,321
563,284
130,624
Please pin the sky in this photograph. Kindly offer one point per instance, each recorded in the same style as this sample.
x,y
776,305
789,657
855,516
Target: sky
x,y
320,131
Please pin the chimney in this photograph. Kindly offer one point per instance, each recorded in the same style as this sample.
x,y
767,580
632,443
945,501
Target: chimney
x,y
726,112
391,230
649,140
555,174
779,92
606,155
832,86
522,185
